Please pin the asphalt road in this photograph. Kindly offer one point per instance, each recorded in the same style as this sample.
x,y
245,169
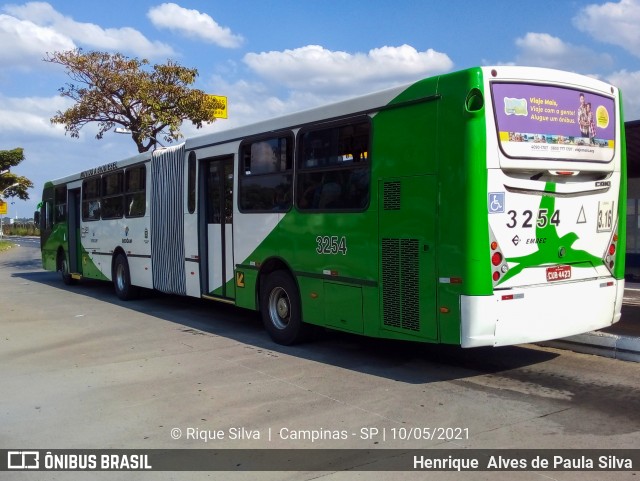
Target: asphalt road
x,y
81,369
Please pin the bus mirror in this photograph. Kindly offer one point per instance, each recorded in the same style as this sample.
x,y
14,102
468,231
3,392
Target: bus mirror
x,y
36,218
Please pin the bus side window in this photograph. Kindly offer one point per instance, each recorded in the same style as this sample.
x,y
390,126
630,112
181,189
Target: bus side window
x,y
112,203
334,168
191,183
60,202
91,199
135,192
46,219
266,180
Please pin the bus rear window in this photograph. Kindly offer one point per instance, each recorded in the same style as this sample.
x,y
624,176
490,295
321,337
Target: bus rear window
x,y
554,123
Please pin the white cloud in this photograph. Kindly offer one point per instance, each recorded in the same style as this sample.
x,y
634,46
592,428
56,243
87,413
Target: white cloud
x,y
193,24
315,69
28,42
44,16
614,23
49,153
30,116
629,84
544,50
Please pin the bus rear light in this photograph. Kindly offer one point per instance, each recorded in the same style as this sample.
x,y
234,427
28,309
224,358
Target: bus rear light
x,y
499,264
609,256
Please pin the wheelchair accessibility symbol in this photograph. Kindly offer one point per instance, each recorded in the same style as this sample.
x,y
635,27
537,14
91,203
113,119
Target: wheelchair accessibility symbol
x,y
496,202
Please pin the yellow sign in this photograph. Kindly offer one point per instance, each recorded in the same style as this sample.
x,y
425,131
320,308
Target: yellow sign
x,y
240,279
4,207
219,106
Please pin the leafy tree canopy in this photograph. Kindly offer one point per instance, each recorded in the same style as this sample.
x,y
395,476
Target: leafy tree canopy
x,y
117,91
12,185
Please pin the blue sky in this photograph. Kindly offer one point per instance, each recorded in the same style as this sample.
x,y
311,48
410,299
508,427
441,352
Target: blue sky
x,y
273,58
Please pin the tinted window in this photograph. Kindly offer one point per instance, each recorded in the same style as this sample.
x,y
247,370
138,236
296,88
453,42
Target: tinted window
x,y
135,192
60,200
91,199
334,168
112,205
266,174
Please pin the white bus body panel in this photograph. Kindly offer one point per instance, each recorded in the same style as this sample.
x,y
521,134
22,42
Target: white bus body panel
x,y
540,313
192,265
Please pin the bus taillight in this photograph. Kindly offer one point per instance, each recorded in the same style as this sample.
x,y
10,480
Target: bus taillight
x,y
499,265
609,257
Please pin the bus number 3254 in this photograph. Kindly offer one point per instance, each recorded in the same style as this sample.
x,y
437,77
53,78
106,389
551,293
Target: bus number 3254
x,y
542,219
331,244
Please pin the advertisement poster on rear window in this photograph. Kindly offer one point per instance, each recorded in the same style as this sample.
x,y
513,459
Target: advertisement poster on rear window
x,y
547,122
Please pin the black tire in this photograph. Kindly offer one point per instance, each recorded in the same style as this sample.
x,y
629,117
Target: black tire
x,y
122,279
63,267
281,310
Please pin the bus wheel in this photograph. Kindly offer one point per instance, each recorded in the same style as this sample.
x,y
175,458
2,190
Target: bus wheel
x,y
280,309
64,270
122,279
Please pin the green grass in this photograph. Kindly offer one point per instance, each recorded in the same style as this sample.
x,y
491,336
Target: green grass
x,y
5,245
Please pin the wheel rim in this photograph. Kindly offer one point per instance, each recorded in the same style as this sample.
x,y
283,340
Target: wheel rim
x,y
120,277
65,268
279,308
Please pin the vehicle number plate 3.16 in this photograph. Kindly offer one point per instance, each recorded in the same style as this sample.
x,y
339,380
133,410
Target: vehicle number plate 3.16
x,y
558,273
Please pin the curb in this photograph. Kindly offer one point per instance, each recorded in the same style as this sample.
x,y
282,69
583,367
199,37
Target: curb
x,y
625,348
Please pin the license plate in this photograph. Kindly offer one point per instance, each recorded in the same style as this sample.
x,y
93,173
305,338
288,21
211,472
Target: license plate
x,y
558,273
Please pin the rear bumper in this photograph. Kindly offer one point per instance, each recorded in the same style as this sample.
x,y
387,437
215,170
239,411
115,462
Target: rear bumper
x,y
540,313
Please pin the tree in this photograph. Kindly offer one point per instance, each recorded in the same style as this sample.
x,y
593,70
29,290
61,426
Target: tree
x,y
12,185
117,91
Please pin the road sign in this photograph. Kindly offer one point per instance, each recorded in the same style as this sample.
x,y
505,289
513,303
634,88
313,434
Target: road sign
x,y
220,106
4,207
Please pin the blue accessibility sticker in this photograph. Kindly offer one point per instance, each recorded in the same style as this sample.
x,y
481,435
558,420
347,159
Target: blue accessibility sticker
x,y
496,202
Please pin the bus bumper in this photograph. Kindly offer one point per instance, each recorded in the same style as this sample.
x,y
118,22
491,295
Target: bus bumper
x,y
540,313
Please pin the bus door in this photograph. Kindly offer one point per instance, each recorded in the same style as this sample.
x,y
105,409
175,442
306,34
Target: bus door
x,y
217,229
75,248
407,255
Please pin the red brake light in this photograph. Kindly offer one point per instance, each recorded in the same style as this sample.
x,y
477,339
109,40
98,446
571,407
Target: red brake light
x,y
496,276
496,258
612,249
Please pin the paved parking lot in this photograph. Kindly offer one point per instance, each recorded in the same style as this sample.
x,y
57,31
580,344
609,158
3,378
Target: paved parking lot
x,y
81,369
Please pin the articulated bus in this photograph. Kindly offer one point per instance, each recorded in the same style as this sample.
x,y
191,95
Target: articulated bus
x,y
479,208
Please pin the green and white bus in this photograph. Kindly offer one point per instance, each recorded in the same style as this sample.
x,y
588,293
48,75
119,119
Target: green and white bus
x,y
480,208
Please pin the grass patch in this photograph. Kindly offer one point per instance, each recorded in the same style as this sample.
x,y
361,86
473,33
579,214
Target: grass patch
x,y
5,245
